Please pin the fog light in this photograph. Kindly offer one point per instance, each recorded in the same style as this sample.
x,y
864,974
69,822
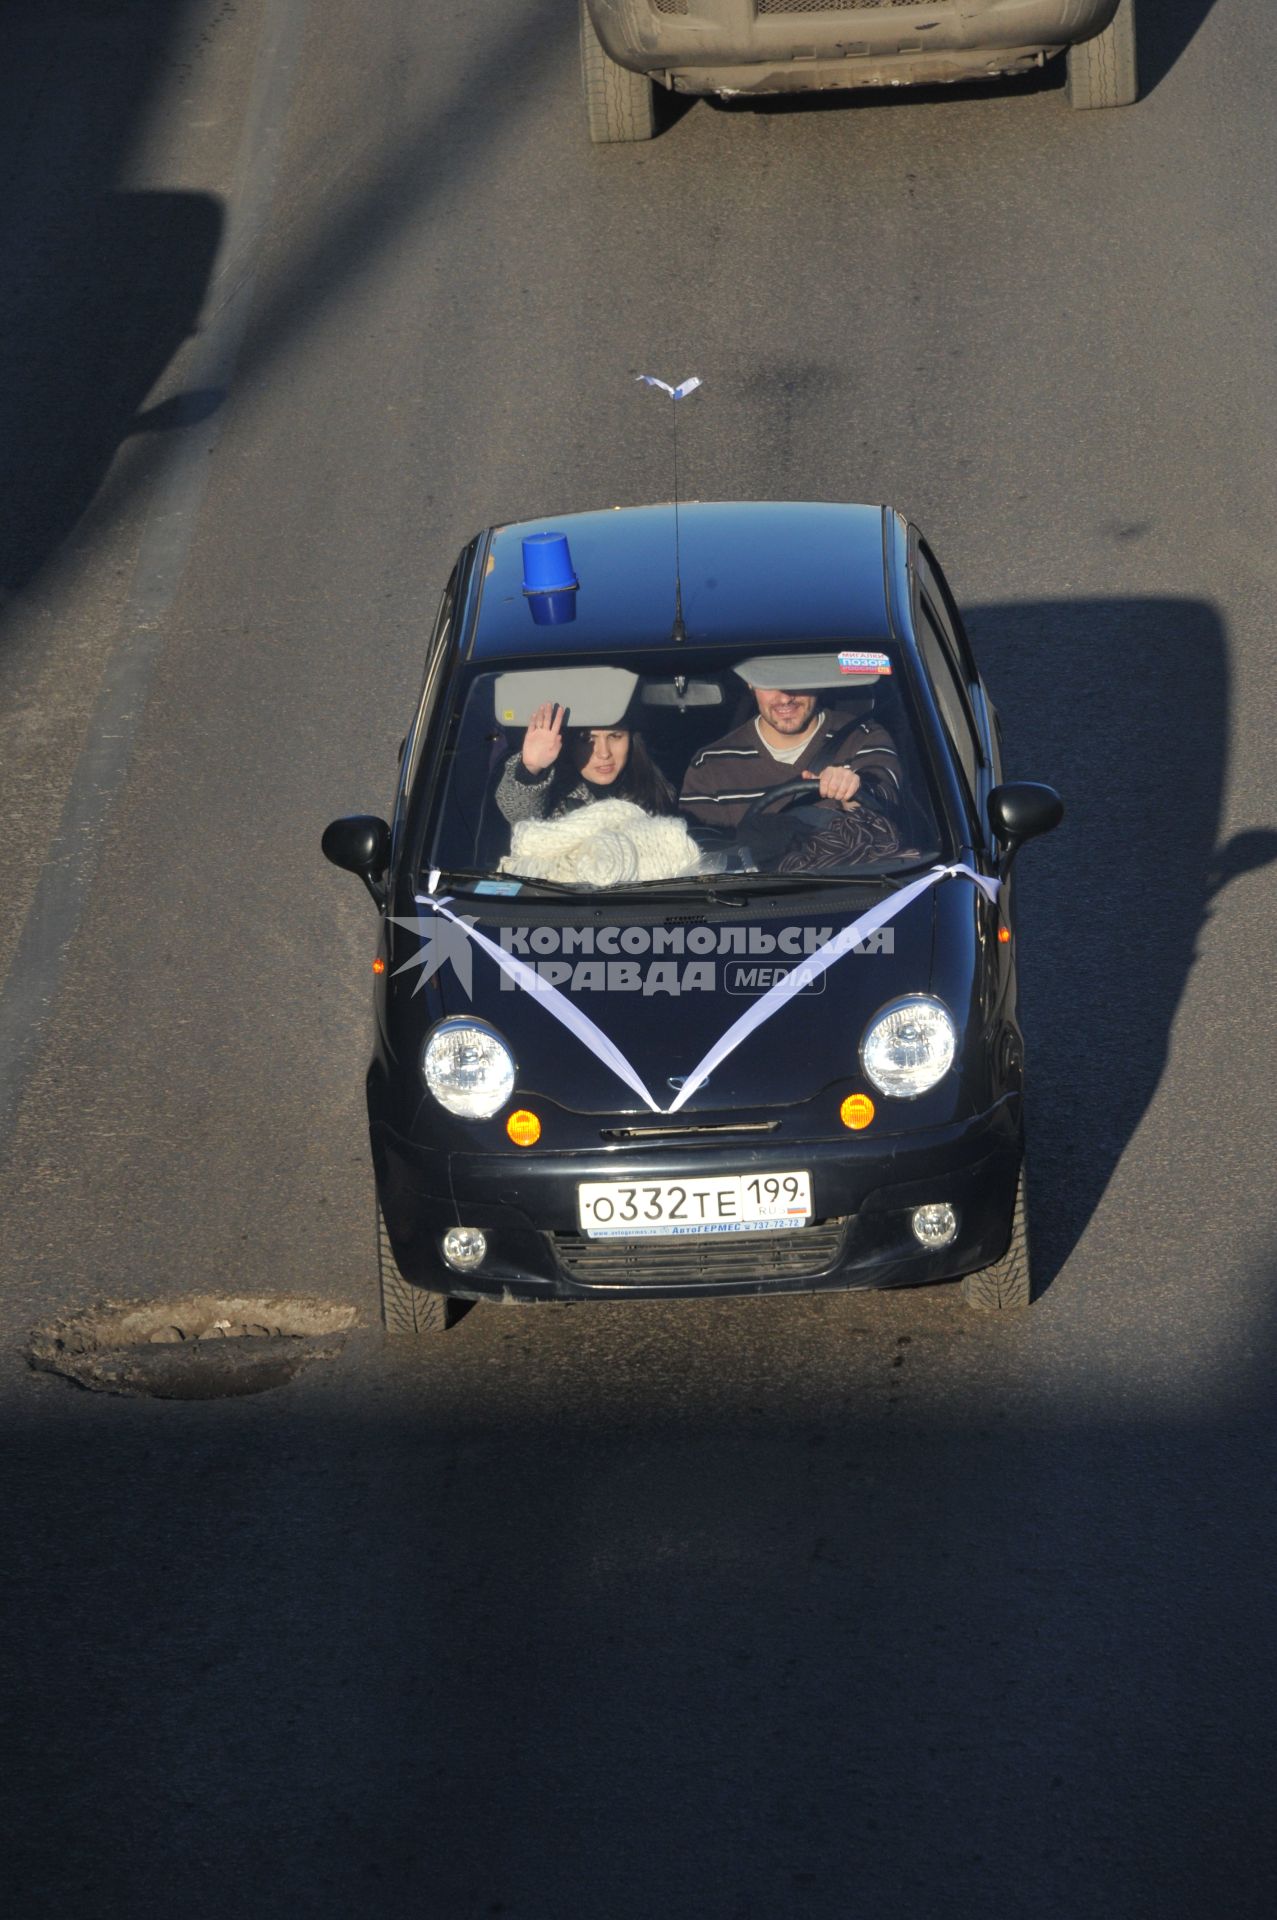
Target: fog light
x,y
934,1226
464,1248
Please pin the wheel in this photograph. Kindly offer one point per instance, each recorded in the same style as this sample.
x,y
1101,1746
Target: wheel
x,y
1103,72
407,1310
1007,1285
619,105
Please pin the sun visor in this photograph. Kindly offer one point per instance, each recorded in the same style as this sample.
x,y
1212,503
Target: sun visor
x,y
593,696
806,672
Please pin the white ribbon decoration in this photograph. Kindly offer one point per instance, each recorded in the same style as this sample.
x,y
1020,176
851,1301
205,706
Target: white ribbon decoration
x,y
814,965
555,1003
570,1015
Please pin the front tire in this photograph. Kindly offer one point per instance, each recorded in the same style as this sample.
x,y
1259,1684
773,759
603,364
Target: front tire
x,y
1104,72
1007,1286
619,105
409,1312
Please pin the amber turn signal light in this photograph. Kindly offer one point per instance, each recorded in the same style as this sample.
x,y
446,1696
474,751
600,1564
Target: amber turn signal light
x,y
523,1128
856,1111
1004,935
379,966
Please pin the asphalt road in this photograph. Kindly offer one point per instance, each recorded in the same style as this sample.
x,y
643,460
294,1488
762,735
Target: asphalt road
x,y
824,1606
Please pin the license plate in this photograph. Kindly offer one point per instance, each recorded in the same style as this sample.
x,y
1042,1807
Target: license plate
x,y
734,1203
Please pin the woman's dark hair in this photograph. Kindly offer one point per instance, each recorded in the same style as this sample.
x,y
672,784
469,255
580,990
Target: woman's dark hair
x,y
639,780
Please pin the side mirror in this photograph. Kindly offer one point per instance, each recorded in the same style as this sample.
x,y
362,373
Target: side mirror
x,y
1019,811
360,843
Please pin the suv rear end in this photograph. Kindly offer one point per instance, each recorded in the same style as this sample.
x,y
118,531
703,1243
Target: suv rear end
x,y
731,47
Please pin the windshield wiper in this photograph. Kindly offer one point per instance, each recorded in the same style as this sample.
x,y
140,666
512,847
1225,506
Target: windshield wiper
x,y
735,889
889,877
678,883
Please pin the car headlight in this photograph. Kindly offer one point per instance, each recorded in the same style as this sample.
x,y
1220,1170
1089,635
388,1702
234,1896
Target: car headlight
x,y
909,1047
468,1068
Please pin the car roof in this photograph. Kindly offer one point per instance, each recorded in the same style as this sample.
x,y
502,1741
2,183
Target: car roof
x,y
753,573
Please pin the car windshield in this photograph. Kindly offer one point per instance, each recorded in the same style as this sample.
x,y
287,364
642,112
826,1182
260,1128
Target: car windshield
x,y
593,777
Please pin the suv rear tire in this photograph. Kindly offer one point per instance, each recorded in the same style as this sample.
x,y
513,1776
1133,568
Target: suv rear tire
x,y
1104,72
619,105
1007,1285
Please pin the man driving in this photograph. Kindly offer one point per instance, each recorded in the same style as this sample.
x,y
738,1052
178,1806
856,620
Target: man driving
x,y
849,758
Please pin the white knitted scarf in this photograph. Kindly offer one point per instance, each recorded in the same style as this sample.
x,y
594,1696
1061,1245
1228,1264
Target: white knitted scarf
x,y
605,844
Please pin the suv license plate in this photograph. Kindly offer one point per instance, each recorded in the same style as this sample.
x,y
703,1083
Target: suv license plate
x,y
735,1203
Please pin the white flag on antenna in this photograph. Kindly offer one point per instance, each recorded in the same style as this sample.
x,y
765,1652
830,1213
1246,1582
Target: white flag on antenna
x,y
675,393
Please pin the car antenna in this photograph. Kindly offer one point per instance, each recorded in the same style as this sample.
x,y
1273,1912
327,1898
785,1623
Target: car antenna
x,y
678,633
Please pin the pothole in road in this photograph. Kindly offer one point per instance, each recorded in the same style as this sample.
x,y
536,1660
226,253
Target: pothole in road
x,y
201,1347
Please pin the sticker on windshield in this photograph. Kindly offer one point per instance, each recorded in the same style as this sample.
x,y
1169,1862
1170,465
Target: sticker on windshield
x,y
863,663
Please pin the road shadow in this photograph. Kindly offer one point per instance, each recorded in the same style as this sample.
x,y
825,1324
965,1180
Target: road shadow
x,y
1124,705
101,286
101,322
776,1627
105,287
1166,31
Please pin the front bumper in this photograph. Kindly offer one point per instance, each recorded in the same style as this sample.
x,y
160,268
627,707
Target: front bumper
x,y
863,1193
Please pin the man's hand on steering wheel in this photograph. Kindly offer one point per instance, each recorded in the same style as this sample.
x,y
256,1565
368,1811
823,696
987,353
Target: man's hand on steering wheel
x,y
839,784
773,800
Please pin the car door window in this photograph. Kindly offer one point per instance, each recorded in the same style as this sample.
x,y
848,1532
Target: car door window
x,y
945,609
950,694
410,755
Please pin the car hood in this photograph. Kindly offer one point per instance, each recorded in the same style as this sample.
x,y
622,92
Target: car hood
x,y
664,1010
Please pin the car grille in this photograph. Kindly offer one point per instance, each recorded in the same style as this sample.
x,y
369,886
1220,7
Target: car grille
x,y
786,1254
693,1131
669,6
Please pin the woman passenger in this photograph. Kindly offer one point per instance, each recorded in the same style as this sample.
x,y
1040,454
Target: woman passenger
x,y
559,769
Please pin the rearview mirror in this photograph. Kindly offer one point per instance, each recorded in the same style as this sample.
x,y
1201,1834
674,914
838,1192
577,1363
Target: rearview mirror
x,y
1019,811
360,843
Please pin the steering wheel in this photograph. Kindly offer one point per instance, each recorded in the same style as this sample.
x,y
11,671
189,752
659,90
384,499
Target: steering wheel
x,y
787,790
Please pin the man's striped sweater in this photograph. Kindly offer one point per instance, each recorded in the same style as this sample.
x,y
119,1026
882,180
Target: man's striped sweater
x,y
723,779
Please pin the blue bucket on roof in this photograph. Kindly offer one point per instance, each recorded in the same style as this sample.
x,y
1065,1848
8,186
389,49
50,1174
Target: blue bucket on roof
x,y
552,609
547,564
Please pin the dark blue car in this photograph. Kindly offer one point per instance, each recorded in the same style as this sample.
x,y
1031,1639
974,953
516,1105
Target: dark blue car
x,y
696,971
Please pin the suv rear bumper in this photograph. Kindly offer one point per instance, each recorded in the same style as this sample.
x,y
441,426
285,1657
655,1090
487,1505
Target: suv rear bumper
x,y
729,46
